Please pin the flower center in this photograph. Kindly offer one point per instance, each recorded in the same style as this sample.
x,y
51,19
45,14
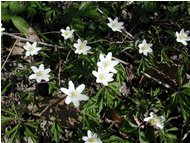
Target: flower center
x,y
102,76
39,73
74,94
81,47
154,121
66,33
106,63
31,49
145,48
114,25
92,140
183,36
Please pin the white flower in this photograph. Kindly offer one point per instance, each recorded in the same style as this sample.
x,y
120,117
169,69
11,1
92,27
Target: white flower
x,y
145,48
74,95
182,37
103,76
115,25
2,29
155,120
91,138
31,49
107,63
81,47
67,33
40,74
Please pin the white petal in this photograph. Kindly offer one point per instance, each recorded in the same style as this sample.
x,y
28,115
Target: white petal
x,y
41,67
27,53
34,69
62,30
83,97
32,76
38,79
34,44
84,138
66,91
184,42
182,31
109,56
67,28
152,114
28,44
71,86
105,83
46,71
95,73
89,133
177,34
110,20
84,42
75,45
79,41
101,57
115,62
147,119
76,103
67,100
94,135
160,125
80,88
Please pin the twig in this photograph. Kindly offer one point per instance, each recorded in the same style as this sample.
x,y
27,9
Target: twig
x,y
128,35
156,80
25,39
9,54
52,32
121,61
59,72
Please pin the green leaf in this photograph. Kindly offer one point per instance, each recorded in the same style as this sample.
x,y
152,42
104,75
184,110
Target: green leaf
x,y
78,24
6,88
88,9
116,139
5,13
56,131
17,7
20,24
5,119
11,131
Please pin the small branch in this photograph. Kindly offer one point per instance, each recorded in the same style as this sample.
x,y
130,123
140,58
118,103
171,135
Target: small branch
x,y
128,35
121,61
9,54
25,39
52,32
156,80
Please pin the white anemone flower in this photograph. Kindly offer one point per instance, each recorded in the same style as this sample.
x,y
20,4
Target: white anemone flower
x,y
2,29
107,63
31,49
144,48
74,95
40,73
183,37
155,120
115,25
91,138
67,33
81,47
103,76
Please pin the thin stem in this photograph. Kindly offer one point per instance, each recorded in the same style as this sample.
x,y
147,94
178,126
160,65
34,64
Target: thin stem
x,y
9,54
25,39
